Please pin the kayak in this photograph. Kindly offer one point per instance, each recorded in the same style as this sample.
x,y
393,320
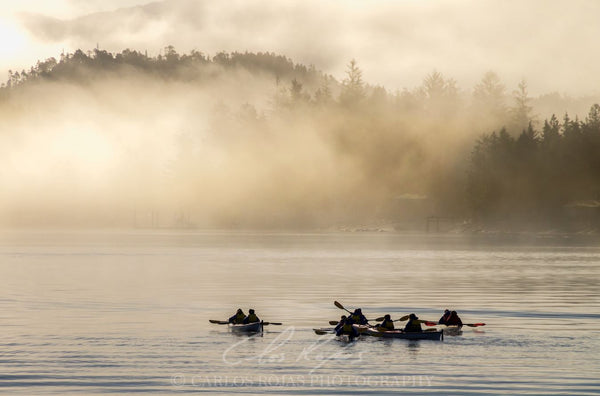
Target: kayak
x,y
425,335
256,327
362,329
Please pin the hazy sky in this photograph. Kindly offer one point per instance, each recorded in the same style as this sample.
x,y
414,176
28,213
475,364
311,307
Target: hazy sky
x,y
553,44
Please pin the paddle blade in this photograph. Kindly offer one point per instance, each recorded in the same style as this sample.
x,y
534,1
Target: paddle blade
x,y
429,323
379,319
221,322
340,306
333,322
402,319
475,324
321,332
272,323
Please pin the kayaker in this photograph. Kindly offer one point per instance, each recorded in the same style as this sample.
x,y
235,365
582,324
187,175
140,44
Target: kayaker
x,y
387,324
444,317
340,323
454,320
238,317
358,317
251,318
413,325
347,328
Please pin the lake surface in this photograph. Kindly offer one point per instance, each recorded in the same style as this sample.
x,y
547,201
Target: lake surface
x,y
89,312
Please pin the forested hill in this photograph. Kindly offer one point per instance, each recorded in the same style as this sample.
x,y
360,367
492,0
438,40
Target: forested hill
x,y
255,140
195,66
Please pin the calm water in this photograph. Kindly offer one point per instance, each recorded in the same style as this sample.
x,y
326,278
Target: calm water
x,y
114,312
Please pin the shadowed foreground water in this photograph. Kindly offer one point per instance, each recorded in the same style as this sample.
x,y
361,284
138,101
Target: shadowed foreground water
x,y
114,312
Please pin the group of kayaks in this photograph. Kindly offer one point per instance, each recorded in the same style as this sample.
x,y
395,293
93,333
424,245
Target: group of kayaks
x,y
360,326
435,334
374,331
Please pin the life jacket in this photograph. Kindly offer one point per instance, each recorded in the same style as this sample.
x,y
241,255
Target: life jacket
x,y
359,319
413,326
387,325
347,328
444,319
252,318
239,318
454,320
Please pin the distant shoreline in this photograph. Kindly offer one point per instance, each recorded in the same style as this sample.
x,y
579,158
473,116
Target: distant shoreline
x,y
490,233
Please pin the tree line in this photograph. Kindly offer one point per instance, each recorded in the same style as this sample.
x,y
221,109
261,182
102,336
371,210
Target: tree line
x,y
533,177
481,154
82,66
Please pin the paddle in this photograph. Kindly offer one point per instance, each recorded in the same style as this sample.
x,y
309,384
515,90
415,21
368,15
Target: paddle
x,y
428,323
223,322
402,319
340,306
322,331
335,323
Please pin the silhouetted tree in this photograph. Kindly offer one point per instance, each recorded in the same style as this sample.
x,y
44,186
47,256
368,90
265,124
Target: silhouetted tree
x,y
353,89
551,131
521,111
323,95
489,100
297,94
440,95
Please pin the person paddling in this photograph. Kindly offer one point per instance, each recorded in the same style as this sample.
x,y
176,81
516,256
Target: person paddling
x,y
358,317
251,318
413,325
450,318
340,323
454,320
387,324
347,329
238,317
444,317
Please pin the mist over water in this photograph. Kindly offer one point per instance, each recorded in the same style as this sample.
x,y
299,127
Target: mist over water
x,y
237,141
114,150
109,149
